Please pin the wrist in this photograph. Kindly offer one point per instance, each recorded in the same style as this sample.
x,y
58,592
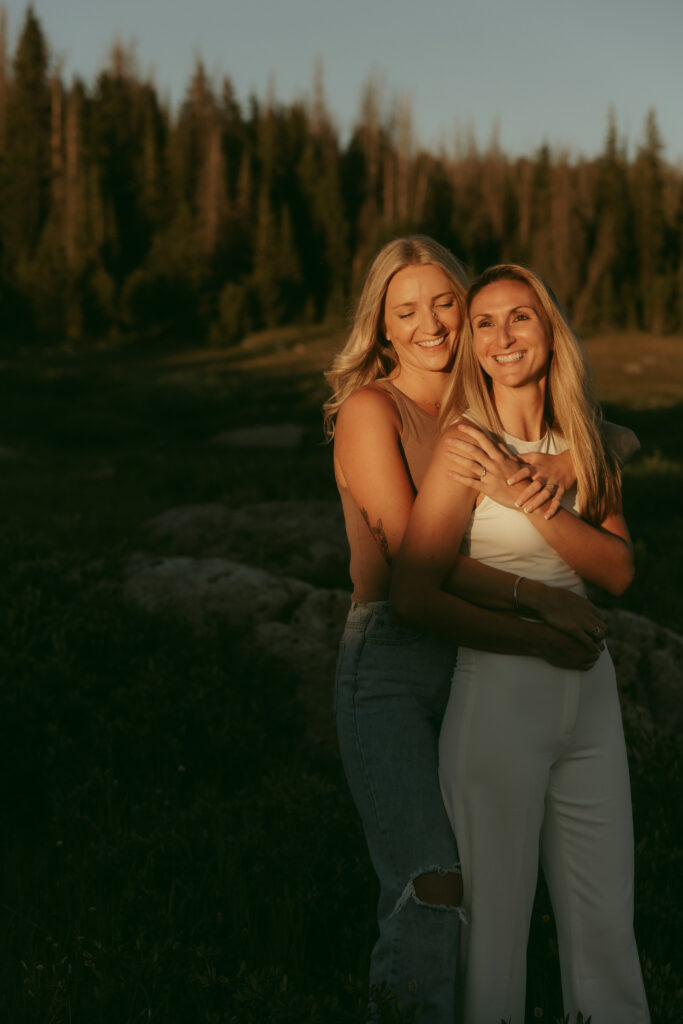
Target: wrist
x,y
536,639
530,595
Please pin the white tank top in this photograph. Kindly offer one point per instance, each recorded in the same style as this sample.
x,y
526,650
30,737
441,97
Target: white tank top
x,y
505,538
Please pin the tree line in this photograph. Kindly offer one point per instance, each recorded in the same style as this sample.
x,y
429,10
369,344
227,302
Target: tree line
x,y
120,217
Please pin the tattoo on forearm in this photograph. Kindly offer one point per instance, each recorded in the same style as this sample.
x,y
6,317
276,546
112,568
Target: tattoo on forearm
x,y
379,535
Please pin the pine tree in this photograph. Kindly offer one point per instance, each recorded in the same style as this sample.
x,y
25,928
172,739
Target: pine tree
x,y
3,78
323,249
650,226
608,294
26,178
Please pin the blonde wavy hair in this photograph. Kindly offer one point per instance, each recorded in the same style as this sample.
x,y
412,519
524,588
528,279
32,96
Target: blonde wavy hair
x,y
367,355
570,405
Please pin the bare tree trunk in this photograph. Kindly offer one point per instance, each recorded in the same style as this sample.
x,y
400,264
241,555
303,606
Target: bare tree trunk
x,y
404,151
388,190
72,180
56,150
213,198
599,263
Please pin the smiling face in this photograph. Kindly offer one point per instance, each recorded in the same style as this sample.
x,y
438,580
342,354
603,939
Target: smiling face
x,y
422,317
512,336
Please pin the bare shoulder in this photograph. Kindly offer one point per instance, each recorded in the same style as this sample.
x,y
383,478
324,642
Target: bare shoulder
x,y
368,405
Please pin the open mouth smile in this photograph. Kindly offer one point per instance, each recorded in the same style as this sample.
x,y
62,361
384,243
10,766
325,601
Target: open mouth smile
x,y
434,343
511,357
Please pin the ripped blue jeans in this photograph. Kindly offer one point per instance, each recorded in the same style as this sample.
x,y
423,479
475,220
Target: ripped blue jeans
x,y
391,690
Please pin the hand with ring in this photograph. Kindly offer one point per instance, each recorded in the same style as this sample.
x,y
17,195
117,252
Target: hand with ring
x,y
482,464
545,477
566,611
551,476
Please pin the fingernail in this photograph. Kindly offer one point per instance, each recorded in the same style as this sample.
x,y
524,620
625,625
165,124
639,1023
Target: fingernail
x,y
509,483
518,504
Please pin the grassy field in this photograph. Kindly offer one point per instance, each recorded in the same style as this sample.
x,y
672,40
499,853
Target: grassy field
x,y
173,849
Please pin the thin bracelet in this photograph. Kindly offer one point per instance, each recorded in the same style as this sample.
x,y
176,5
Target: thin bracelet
x,y
514,592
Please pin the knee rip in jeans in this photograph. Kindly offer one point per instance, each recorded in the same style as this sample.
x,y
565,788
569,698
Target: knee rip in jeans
x,y
438,888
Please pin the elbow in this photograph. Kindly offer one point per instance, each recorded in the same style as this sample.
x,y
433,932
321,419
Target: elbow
x,y
621,579
621,586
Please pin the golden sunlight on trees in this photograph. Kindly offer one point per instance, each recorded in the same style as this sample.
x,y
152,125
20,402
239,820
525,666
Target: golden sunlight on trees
x,y
118,216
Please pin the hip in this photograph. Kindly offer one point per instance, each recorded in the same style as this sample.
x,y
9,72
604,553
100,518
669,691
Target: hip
x,y
380,658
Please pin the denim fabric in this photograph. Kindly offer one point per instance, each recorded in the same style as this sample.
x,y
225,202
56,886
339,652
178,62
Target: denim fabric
x,y
391,690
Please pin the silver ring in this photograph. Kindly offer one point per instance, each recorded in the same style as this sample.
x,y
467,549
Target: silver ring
x,y
552,488
597,630
483,473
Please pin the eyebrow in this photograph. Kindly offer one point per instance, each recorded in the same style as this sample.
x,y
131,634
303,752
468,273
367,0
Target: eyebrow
x,y
513,310
441,295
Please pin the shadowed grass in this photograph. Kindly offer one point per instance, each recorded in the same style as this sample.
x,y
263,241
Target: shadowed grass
x,y
172,848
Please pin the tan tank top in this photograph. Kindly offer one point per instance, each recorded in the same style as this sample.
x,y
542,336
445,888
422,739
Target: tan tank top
x,y
369,572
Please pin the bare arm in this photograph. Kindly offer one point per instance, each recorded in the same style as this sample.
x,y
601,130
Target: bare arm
x,y
546,477
430,547
482,585
601,554
369,461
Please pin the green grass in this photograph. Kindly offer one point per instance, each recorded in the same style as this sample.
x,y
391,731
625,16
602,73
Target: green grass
x,y
172,847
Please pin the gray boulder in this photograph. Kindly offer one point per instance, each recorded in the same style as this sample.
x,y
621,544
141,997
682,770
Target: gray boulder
x,y
649,663
294,623
305,539
258,567
196,587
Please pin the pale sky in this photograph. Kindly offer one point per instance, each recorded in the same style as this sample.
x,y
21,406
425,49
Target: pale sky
x,y
542,70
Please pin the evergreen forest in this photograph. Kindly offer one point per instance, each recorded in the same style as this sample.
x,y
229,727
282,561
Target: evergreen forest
x,y
120,217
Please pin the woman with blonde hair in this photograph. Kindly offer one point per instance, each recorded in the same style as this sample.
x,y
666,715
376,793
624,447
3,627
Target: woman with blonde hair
x,y
529,755
392,680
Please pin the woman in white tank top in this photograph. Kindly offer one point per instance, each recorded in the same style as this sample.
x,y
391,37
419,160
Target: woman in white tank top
x,y
531,756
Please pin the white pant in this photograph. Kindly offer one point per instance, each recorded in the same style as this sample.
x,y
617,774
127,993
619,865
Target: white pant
x,y
531,756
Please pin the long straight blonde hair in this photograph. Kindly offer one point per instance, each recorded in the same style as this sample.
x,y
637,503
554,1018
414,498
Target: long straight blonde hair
x,y
570,405
367,355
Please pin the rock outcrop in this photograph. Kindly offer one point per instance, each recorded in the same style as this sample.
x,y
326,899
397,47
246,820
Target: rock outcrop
x,y
253,566
288,538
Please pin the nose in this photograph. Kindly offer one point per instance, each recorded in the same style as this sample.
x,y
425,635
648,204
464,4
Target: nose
x,y
505,335
432,323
